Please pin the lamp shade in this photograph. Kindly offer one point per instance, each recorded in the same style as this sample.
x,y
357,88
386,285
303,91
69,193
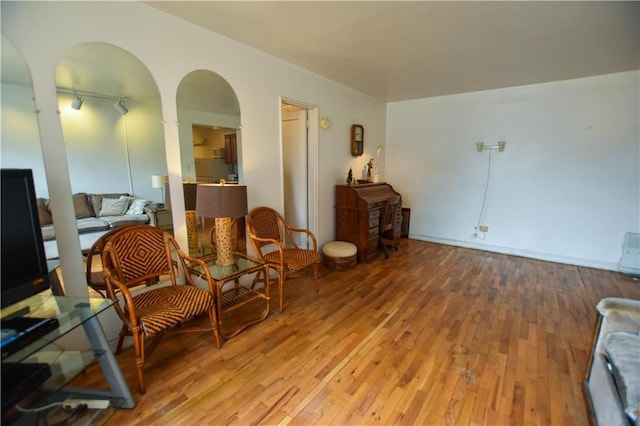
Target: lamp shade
x,y
190,190
217,200
158,181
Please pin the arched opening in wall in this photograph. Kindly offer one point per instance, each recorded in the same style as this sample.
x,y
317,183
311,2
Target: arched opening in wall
x,y
210,147
111,120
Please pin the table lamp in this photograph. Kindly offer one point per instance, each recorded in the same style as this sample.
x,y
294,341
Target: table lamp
x,y
158,181
222,202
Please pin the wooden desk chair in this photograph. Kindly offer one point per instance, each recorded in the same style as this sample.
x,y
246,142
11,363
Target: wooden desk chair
x,y
274,242
387,221
137,255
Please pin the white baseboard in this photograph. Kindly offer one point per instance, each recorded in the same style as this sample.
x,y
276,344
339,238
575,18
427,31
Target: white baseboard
x,y
549,257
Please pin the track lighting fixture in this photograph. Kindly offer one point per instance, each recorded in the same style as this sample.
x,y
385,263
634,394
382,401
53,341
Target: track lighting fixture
x,y
119,106
77,102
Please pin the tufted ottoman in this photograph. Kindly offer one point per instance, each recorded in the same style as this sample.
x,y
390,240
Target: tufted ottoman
x,y
340,255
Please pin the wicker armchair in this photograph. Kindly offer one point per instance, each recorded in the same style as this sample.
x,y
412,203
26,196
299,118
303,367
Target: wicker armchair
x,y
95,279
274,242
136,256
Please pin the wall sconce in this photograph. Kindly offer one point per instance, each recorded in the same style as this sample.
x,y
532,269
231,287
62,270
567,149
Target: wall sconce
x,y
77,102
119,106
500,146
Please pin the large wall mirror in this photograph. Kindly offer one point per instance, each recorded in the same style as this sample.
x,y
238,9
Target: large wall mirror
x,y
210,142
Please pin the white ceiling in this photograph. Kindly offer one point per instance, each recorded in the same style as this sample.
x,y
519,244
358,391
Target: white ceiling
x,y
396,50
391,50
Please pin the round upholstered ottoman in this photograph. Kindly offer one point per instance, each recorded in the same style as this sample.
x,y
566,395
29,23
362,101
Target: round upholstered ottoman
x,y
340,255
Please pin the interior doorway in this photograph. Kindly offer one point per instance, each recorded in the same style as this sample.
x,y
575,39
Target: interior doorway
x,y
299,130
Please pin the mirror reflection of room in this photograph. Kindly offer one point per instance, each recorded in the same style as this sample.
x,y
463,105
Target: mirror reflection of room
x,y
214,150
215,159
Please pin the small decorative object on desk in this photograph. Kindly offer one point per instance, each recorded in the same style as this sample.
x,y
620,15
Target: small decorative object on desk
x,y
369,167
350,177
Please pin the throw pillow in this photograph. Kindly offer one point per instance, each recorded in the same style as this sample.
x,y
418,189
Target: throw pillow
x,y
81,205
137,206
95,200
44,215
114,207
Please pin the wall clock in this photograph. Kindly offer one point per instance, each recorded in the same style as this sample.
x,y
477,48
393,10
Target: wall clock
x,y
357,140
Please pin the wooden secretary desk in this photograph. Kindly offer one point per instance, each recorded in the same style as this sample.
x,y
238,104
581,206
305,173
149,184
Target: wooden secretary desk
x,y
358,214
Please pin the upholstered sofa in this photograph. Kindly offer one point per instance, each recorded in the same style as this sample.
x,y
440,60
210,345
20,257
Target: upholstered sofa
x,y
612,385
95,215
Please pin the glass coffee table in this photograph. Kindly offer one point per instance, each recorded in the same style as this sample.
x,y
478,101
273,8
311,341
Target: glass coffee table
x,y
231,295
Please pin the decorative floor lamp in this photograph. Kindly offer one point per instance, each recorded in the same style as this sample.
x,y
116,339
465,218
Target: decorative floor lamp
x,y
222,202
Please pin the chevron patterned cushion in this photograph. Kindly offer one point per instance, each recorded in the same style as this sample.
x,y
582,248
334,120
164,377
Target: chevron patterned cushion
x,y
167,306
295,260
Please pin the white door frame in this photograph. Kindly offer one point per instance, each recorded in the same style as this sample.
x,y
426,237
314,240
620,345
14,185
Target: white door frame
x,y
312,160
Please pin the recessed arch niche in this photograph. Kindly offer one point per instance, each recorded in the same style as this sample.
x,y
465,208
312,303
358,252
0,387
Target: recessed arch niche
x,y
208,110
109,149
20,136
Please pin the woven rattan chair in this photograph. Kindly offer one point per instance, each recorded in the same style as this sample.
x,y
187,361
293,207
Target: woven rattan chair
x,y
136,256
95,279
387,221
274,242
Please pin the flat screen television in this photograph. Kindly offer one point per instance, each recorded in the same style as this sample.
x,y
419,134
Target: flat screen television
x,y
24,265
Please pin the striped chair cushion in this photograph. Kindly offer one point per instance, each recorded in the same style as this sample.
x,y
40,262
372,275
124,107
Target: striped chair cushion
x,y
165,307
295,260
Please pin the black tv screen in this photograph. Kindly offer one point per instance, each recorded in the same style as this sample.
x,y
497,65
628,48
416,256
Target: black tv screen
x,y
24,265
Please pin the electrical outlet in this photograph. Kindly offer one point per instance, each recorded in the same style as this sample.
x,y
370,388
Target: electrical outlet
x,y
483,228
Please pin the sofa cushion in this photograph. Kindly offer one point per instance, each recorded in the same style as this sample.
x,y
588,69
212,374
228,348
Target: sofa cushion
x,y
129,219
48,232
81,205
622,351
91,224
95,200
114,206
44,215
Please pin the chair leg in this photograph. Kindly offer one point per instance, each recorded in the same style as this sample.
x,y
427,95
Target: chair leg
x,y
384,248
138,343
315,276
123,334
214,324
281,288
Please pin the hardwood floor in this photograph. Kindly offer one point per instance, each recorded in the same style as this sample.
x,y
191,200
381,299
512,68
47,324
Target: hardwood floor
x,y
433,335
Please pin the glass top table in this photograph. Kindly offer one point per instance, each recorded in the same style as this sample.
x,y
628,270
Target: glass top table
x,y
230,294
65,365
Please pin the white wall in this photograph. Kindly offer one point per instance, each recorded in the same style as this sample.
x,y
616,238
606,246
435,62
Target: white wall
x,y
20,141
566,188
171,48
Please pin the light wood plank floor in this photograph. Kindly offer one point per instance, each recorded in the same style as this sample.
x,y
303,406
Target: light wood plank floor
x,y
434,335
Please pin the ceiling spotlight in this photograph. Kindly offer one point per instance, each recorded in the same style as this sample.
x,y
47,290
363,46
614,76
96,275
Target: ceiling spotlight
x,y
77,102
120,107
